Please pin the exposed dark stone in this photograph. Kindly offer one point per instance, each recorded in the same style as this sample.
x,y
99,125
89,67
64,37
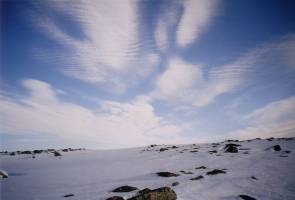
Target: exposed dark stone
x,y
69,195
253,177
145,190
213,151
25,152
12,153
164,193
175,184
3,174
287,151
115,198
197,178
163,149
167,174
65,150
216,171
37,151
174,147
270,139
125,188
202,167
246,197
56,153
194,151
231,148
277,147
184,172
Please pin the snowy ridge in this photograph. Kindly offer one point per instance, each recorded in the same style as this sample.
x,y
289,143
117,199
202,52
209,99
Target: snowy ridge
x,y
257,169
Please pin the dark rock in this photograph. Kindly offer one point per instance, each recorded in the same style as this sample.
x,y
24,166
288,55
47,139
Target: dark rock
x,y
270,139
163,149
3,174
65,150
197,178
216,171
153,145
12,153
202,167
37,151
174,147
213,151
253,177
287,151
115,198
194,151
69,195
246,197
125,188
56,153
164,193
167,174
175,184
143,191
231,148
25,152
277,147
184,172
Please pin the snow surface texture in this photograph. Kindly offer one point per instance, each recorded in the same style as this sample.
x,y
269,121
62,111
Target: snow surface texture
x,y
93,174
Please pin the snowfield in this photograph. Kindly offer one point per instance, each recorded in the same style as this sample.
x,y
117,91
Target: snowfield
x,y
256,170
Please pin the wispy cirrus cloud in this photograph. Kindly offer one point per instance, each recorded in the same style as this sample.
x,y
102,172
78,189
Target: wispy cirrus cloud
x,y
117,124
275,119
110,47
196,17
187,83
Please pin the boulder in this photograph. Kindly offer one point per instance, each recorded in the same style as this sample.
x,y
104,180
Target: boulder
x,y
196,178
216,171
167,174
163,149
115,198
125,188
276,147
56,153
3,174
145,190
202,167
175,184
231,148
69,195
164,193
246,197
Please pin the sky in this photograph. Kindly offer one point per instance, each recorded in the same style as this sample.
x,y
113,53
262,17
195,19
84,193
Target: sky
x,y
107,74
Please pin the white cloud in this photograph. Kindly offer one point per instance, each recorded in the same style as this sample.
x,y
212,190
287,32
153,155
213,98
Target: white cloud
x,y
183,82
116,124
111,48
276,119
161,35
195,19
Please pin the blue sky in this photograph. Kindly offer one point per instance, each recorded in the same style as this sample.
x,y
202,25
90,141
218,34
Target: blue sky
x,y
115,74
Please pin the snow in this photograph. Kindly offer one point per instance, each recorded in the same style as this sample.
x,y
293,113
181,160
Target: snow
x,y
92,174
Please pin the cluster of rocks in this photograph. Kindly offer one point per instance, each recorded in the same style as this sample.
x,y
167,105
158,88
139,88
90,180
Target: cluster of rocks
x,y
163,193
55,152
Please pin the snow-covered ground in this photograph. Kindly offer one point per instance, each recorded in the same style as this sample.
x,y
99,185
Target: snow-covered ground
x,y
92,174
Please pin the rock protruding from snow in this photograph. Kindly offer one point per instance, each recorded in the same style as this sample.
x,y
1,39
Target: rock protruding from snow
x,y
231,148
167,174
56,153
164,193
197,178
3,174
246,197
216,171
69,195
277,148
115,198
125,188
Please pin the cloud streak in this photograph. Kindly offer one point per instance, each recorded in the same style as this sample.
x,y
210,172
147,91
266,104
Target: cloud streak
x,y
115,123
